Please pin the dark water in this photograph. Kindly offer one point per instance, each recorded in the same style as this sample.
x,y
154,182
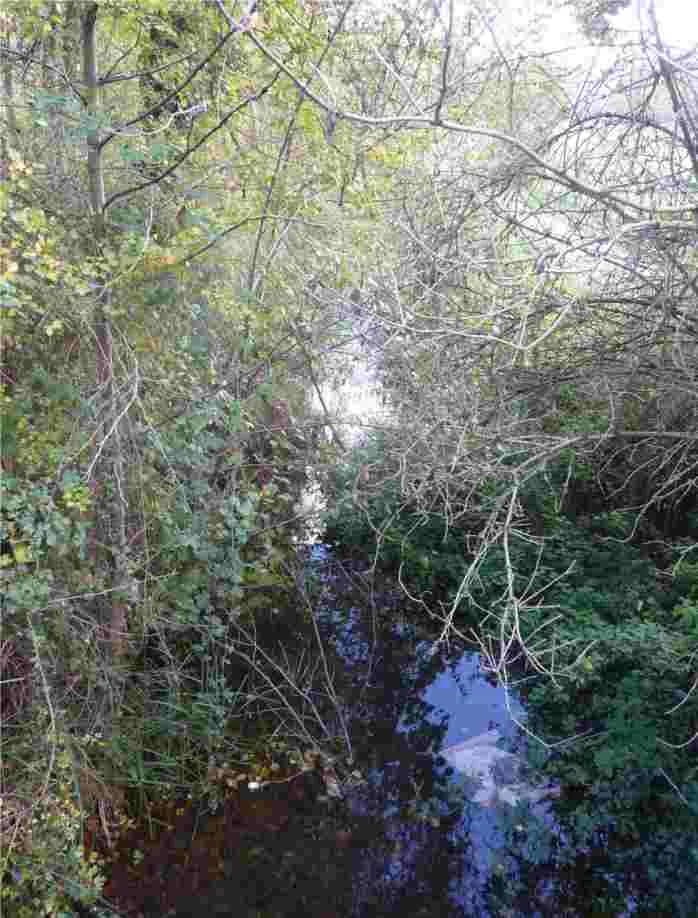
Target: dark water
x,y
410,836
407,704
404,838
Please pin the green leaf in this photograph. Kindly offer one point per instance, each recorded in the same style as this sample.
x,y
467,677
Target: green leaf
x,y
130,155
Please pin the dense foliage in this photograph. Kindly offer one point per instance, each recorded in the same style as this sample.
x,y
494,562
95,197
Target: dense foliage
x,y
211,211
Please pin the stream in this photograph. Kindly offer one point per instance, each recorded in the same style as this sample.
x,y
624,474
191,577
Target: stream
x,y
429,798
436,788
443,754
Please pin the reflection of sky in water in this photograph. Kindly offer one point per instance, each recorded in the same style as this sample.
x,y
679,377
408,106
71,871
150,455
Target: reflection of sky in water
x,y
473,704
459,697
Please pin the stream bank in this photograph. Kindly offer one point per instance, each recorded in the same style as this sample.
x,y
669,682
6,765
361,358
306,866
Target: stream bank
x,y
395,830
432,803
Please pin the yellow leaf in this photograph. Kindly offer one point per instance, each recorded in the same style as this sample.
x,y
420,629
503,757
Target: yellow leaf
x,y
23,554
53,327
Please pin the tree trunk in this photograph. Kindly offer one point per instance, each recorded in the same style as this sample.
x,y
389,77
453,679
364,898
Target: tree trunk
x,y
109,546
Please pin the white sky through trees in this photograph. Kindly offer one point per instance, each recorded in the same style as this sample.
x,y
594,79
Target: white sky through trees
x,y
678,21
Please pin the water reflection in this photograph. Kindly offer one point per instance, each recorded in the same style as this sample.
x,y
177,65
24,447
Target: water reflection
x,y
413,836
406,705
431,846
474,704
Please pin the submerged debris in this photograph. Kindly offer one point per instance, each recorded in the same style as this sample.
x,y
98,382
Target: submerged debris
x,y
499,773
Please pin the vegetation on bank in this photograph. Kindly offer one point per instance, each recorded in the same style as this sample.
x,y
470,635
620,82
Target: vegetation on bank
x,y
602,655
